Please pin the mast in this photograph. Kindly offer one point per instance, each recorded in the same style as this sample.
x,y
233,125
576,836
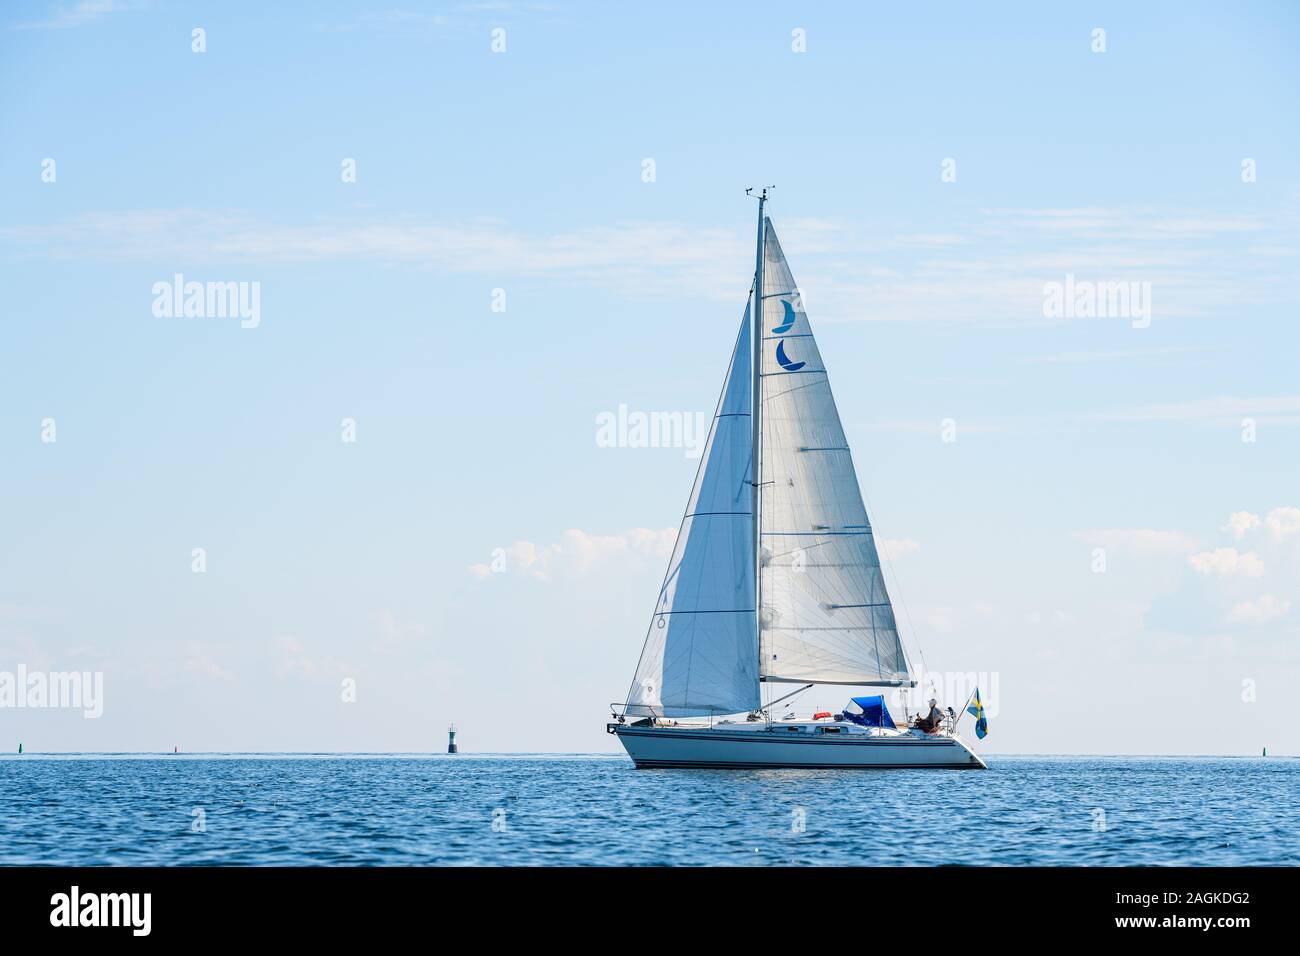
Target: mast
x,y
756,413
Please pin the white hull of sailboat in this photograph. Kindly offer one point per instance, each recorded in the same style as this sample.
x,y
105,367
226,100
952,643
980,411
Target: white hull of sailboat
x,y
702,747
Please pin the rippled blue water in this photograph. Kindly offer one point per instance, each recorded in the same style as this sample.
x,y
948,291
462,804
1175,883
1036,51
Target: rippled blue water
x,y
397,810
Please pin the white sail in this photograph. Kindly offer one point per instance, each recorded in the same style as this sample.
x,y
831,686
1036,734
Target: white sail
x,y
826,616
701,653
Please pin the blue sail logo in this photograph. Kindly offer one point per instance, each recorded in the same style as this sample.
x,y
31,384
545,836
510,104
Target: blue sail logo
x,y
787,323
787,320
784,360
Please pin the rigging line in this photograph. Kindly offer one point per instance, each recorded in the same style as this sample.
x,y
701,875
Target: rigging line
x,y
816,534
812,547
771,398
724,610
809,627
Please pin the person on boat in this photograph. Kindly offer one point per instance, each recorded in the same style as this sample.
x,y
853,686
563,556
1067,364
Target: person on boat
x,y
931,721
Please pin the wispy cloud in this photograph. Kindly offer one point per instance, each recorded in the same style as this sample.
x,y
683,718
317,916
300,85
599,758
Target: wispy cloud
x,y
80,14
577,552
403,21
1220,410
294,658
1241,522
894,548
1228,562
1283,522
640,258
1139,540
1113,355
168,663
1262,610
391,22
991,269
1226,585
1131,224
510,6
935,427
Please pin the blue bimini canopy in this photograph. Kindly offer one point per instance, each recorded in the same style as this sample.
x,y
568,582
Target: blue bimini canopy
x,y
869,712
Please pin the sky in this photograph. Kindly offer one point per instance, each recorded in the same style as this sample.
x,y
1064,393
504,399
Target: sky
x,y
377,500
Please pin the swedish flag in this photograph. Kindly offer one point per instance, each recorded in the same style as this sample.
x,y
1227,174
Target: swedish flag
x,y
976,710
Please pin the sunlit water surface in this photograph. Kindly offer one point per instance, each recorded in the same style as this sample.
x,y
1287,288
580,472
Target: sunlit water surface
x,y
584,810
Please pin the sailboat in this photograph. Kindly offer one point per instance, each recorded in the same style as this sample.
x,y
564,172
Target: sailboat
x,y
775,577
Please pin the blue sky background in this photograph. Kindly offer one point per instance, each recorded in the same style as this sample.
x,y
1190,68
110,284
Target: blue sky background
x,y
522,171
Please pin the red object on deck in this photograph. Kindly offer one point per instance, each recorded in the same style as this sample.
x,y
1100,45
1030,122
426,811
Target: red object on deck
x,y
822,713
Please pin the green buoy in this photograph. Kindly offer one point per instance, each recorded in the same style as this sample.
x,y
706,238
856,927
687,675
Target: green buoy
x,y
20,748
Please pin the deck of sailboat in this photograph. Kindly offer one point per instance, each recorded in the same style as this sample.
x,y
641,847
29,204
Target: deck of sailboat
x,y
842,727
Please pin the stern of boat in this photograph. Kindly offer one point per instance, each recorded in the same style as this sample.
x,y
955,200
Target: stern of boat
x,y
977,762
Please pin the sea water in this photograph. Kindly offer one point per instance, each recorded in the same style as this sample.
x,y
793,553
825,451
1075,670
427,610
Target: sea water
x,y
598,810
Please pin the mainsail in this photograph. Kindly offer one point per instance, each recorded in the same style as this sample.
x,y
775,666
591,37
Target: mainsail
x,y
701,652
826,616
